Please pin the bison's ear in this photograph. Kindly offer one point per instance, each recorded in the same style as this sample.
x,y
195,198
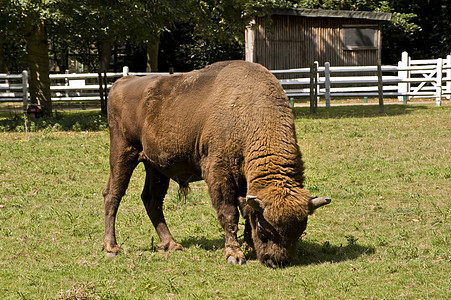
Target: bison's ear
x,y
315,203
255,203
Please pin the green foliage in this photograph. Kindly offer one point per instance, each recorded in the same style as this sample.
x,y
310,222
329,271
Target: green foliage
x,y
403,22
183,51
78,27
385,235
400,19
14,55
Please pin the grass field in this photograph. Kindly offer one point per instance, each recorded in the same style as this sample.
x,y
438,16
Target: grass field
x,y
386,234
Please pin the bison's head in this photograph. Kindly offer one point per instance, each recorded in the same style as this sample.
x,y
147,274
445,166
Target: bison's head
x,y
277,227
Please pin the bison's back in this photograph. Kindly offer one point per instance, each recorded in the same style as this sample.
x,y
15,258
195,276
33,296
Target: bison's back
x,y
210,91
179,120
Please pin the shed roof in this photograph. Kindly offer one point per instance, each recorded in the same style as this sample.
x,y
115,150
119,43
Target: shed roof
x,y
325,13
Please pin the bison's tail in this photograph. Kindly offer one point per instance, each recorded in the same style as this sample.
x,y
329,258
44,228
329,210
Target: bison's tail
x,y
183,191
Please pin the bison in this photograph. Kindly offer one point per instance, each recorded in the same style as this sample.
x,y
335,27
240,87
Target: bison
x,y
229,124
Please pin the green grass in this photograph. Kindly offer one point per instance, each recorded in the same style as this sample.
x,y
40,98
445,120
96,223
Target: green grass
x,y
386,234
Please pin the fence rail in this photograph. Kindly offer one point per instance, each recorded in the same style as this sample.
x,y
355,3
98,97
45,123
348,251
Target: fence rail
x,y
429,78
64,87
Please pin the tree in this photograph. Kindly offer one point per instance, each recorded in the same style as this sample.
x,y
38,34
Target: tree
x,y
2,56
214,28
152,19
38,63
98,25
430,38
27,18
210,30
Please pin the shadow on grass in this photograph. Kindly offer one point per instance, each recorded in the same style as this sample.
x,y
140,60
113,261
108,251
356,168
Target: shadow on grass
x,y
61,121
92,120
203,243
356,111
308,252
314,253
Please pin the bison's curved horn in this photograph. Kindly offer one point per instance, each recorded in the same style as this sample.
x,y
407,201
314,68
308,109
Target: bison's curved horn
x,y
255,203
315,203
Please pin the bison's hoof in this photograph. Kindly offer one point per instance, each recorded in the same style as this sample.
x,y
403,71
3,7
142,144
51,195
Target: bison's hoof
x,y
270,263
170,246
176,247
110,254
232,260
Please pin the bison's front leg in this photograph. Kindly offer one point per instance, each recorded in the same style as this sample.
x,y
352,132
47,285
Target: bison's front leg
x,y
229,221
224,200
247,241
123,161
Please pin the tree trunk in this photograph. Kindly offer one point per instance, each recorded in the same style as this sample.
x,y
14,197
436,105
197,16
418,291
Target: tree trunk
x,y
2,57
105,55
105,51
152,56
38,62
63,61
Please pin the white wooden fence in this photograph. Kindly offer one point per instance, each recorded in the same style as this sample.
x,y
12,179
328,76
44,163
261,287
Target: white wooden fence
x,y
64,87
429,78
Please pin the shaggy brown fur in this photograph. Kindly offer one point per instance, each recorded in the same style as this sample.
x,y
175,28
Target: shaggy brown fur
x,y
229,124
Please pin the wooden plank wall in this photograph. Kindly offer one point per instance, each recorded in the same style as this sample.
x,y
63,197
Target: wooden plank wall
x,y
295,42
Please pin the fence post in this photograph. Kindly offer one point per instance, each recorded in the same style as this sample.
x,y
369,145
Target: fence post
x,y
25,90
125,71
317,83
439,82
380,86
102,94
403,87
327,83
448,77
66,83
314,87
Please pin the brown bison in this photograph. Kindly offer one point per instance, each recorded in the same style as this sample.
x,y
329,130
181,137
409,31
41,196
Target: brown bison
x,y
229,124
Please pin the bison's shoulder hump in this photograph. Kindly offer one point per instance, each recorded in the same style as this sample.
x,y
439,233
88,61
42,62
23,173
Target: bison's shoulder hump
x,y
237,65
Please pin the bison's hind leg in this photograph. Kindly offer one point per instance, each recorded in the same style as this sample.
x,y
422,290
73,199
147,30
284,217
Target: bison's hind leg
x,y
152,196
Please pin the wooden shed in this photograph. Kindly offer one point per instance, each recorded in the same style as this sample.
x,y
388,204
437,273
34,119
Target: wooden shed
x,y
295,38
